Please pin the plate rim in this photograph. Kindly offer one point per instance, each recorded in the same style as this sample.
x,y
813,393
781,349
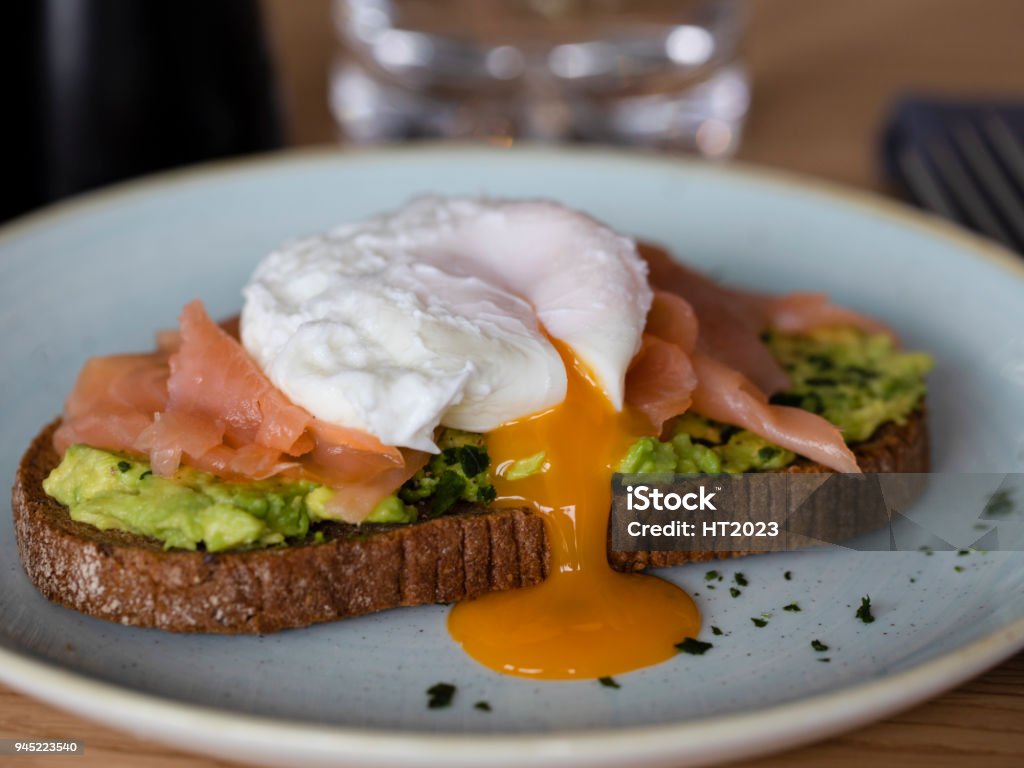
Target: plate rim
x,y
696,742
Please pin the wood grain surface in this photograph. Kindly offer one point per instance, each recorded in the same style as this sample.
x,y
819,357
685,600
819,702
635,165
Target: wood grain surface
x,y
824,73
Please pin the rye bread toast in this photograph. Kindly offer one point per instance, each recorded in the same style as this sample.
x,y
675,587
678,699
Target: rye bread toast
x,y
132,580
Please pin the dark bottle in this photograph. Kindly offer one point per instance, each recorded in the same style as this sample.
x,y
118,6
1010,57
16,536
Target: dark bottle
x,y
104,90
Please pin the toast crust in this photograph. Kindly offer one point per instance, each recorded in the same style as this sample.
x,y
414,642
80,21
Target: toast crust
x,y
131,579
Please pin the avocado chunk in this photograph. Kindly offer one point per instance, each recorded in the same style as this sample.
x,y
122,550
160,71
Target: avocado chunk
x,y
190,508
458,473
855,380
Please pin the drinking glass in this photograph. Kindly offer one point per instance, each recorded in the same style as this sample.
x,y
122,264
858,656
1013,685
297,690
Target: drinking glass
x,y
652,72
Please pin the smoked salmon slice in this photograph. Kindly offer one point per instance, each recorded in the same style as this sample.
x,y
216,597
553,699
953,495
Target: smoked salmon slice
x,y
202,401
731,370
661,379
726,395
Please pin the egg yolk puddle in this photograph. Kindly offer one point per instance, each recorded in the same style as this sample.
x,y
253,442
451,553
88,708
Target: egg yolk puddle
x,y
585,620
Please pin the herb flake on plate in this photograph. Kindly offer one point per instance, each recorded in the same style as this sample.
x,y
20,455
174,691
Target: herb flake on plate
x,y
440,695
864,612
695,647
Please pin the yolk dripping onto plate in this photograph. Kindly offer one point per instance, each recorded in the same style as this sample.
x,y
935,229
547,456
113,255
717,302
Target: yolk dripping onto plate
x,y
585,620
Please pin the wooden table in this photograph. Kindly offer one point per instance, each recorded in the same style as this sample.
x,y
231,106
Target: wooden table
x,y
824,72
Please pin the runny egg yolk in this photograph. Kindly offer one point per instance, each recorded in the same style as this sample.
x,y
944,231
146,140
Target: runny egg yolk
x,y
585,620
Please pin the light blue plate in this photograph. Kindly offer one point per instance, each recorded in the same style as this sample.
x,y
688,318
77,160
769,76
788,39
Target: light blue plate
x,y
99,275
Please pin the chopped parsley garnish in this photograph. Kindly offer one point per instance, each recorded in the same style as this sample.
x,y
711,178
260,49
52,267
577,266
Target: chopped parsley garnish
x,y
963,553
483,706
458,473
759,622
440,695
716,631
450,486
791,607
998,504
608,682
819,646
958,568
927,550
145,474
826,659
472,458
740,579
123,466
788,575
864,612
734,592
710,575
695,647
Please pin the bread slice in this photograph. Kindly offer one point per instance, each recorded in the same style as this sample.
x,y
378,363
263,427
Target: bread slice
x,y
893,448
131,579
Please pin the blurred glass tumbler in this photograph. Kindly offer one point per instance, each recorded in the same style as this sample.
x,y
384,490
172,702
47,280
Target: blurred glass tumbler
x,y
653,72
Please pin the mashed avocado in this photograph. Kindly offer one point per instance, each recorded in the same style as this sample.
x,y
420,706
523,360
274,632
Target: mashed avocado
x,y
857,381
458,473
193,508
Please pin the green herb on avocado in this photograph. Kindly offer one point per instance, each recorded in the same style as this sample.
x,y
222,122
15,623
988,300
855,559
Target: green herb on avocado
x,y
123,466
458,473
608,682
440,695
855,380
864,612
694,647
819,646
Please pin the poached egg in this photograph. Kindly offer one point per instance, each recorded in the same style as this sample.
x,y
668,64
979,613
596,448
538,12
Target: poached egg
x,y
517,319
